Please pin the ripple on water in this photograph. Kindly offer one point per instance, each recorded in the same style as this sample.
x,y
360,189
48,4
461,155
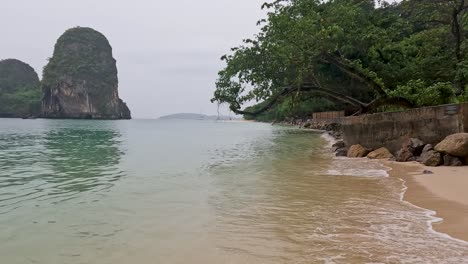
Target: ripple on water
x,y
223,193
56,164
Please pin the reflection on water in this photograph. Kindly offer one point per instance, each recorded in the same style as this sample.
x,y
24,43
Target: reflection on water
x,y
55,161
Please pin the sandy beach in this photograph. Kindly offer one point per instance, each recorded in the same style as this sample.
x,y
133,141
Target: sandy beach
x,y
444,191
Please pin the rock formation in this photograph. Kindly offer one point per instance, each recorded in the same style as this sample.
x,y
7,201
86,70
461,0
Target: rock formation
x,y
431,158
381,153
455,145
19,89
357,151
80,80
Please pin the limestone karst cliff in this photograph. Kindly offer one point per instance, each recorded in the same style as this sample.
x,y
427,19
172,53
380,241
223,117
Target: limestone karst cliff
x,y
19,89
80,80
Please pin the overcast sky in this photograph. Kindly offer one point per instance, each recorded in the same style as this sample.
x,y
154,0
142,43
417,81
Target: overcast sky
x,y
167,52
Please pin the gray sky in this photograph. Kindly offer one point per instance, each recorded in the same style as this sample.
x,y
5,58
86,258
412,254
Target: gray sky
x,y
167,52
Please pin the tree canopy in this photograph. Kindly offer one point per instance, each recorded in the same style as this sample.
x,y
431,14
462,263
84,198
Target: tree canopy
x,y
357,54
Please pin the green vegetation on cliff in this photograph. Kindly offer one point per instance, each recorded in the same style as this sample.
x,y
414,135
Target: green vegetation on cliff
x,y
312,55
19,89
80,80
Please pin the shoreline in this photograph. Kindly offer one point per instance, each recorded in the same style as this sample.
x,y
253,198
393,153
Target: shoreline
x,y
443,192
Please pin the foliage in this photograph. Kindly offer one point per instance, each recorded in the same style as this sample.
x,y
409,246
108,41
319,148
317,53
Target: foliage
x,y
423,94
413,50
293,108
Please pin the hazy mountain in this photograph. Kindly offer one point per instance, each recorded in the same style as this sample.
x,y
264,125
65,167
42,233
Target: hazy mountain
x,y
192,116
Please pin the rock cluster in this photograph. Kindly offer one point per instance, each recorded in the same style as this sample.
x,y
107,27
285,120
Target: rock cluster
x,y
381,153
452,151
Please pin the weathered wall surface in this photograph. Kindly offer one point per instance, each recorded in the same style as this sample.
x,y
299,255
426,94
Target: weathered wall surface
x,y
430,124
328,115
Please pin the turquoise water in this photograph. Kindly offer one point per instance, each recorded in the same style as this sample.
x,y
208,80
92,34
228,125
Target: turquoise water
x,y
149,191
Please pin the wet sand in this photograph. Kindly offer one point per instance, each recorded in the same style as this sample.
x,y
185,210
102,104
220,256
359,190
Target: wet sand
x,y
445,192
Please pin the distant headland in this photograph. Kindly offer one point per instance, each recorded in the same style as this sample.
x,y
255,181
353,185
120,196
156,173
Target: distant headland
x,y
192,116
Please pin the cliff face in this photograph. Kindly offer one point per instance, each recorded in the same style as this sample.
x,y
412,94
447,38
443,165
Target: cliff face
x,y
19,89
80,80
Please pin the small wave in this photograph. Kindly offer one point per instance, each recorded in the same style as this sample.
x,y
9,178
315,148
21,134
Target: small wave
x,y
329,138
431,214
356,167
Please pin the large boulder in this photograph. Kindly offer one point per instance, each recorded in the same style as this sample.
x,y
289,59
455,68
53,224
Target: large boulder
x,y
20,93
455,145
357,151
452,161
80,80
431,158
381,153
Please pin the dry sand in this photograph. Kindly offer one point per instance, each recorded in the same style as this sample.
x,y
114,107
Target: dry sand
x,y
445,191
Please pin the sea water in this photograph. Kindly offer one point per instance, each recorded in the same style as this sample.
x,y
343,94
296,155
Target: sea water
x,y
151,191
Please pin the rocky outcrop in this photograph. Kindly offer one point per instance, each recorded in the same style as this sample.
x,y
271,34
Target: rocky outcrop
x,y
410,149
357,151
427,148
431,158
455,145
80,80
342,152
452,161
338,145
404,155
20,94
381,153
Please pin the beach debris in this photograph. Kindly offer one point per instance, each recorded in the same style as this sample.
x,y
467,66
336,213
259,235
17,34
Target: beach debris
x,y
381,153
342,152
431,158
454,145
428,172
357,151
452,161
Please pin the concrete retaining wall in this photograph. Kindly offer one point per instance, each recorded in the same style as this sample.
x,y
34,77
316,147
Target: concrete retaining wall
x,y
430,124
328,115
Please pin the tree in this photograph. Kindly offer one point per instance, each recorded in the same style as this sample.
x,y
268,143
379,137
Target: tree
x,y
349,51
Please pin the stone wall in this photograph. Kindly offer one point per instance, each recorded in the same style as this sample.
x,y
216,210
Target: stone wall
x,y
328,115
430,124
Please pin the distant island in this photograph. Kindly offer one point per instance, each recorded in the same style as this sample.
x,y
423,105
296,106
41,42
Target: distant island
x,y
192,116
80,81
20,94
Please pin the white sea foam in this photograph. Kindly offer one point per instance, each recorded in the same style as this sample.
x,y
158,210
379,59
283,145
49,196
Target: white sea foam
x,y
360,167
329,138
363,167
